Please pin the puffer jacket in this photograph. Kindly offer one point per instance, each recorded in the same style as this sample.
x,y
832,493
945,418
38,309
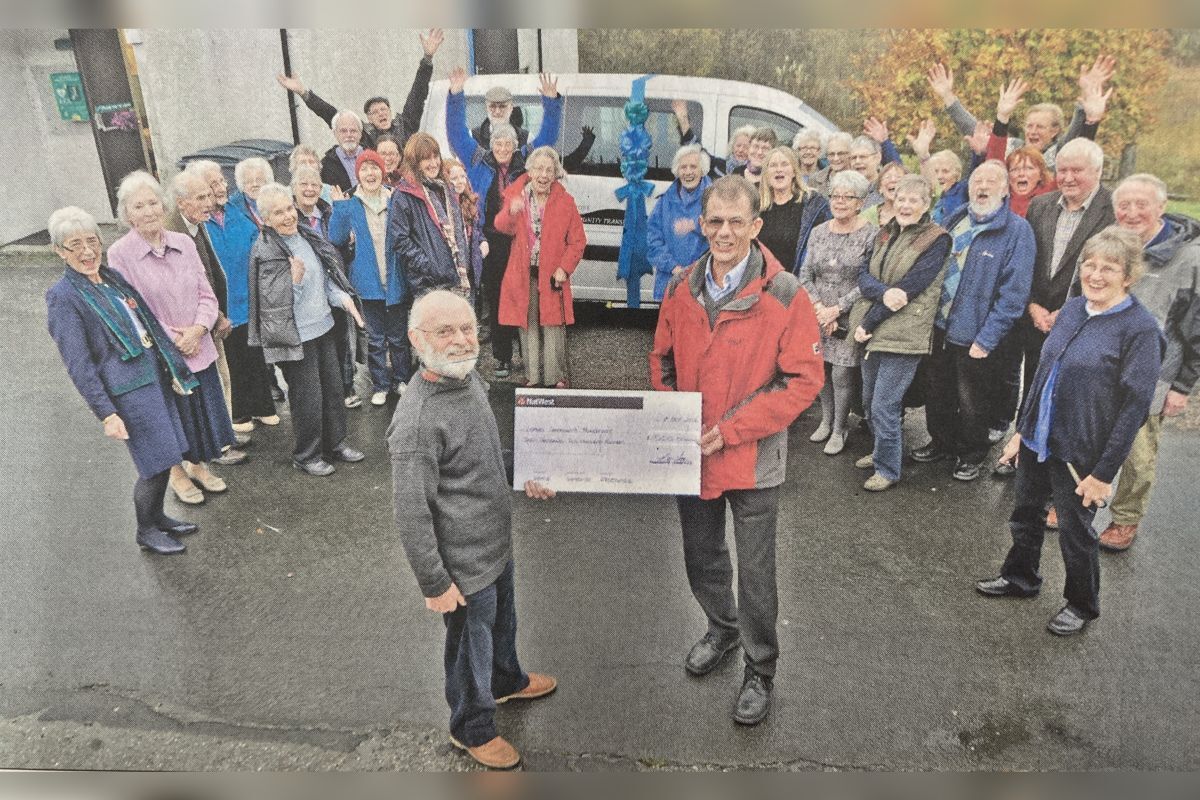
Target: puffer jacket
x,y
232,241
272,316
665,248
758,367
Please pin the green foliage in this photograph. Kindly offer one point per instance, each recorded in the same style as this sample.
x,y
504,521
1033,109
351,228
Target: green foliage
x,y
1185,46
893,85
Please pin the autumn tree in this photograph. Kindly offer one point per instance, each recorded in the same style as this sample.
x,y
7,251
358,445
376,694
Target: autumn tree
x,y
893,86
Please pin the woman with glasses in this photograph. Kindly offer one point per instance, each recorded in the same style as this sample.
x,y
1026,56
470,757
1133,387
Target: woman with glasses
x,y
125,365
837,251
837,156
807,144
547,245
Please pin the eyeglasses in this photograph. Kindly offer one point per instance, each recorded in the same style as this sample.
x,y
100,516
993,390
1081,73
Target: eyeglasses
x,y
90,243
837,153
445,333
737,224
843,198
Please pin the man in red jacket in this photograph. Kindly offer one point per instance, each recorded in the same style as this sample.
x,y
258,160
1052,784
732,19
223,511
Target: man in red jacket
x,y
735,327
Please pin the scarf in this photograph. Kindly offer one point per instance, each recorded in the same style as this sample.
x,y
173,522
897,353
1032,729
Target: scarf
x,y
449,218
120,327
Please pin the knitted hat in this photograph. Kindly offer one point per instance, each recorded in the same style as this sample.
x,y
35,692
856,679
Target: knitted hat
x,y
373,157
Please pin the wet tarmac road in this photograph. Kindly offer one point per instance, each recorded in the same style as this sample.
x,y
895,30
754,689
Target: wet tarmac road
x,y
292,634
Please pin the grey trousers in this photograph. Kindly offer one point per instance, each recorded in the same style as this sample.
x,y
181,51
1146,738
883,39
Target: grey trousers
x,y
710,570
544,346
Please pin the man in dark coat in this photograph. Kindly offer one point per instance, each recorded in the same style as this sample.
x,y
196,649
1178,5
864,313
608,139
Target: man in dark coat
x,y
378,111
1062,221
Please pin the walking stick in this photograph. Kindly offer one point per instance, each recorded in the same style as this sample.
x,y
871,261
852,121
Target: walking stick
x,y
562,304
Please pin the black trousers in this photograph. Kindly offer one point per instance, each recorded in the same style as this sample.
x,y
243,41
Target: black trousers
x,y
494,265
959,399
249,377
315,397
1035,485
710,571
1006,399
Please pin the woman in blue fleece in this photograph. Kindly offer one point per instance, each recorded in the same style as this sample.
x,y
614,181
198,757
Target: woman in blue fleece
x,y
1090,396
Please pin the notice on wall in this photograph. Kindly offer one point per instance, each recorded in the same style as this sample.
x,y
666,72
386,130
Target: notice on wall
x,y
116,117
68,95
577,440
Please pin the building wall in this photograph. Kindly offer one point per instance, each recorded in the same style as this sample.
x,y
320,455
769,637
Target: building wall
x,y
51,162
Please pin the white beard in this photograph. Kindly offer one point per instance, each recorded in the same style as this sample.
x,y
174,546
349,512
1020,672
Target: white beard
x,y
983,210
449,366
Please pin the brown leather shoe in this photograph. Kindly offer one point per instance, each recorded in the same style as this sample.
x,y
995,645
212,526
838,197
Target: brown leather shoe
x,y
1052,520
1118,537
496,754
539,686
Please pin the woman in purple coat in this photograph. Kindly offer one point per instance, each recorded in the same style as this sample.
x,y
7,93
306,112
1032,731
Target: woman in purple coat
x,y
125,365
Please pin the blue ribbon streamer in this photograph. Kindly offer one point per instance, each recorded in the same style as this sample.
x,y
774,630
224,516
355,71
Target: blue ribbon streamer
x,y
632,262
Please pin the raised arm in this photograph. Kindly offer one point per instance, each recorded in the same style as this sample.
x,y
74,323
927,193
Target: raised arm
x,y
315,104
552,104
461,141
941,80
414,104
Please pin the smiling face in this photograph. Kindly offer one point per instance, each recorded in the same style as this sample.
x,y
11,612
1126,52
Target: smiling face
x,y
307,191
542,174
458,179
779,173
503,149
888,183
910,207
757,152
146,213
430,167
254,180
1076,177
1040,129
380,115
370,176
739,148
809,153
688,171
865,161
844,204
1139,209
283,219
945,172
448,340
838,156
499,113
988,187
729,226
348,132
82,252
1023,177
391,155
1104,281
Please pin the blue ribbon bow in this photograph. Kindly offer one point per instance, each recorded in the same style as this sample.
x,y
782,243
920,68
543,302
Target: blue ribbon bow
x,y
632,262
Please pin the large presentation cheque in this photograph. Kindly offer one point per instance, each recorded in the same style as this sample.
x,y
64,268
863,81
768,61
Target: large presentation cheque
x,y
578,440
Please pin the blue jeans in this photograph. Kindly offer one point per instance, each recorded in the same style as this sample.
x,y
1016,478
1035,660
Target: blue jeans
x,y
481,660
886,377
1036,483
387,335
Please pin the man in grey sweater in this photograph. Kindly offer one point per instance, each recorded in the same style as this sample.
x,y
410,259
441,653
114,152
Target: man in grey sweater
x,y
454,510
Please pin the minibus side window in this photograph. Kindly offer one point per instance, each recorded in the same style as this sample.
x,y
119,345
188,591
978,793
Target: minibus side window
x,y
785,128
606,117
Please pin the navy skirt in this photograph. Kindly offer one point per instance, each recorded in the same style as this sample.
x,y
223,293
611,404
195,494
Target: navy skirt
x,y
205,417
156,438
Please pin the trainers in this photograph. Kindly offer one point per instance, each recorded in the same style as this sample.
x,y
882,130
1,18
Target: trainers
x,y
836,443
496,754
1004,469
927,454
400,389
352,401
1118,537
878,483
965,471
378,398
270,421
996,434
866,462
821,433
243,427
1052,519
503,369
539,686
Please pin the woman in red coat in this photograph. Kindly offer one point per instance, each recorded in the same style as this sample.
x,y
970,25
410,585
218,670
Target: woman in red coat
x,y
548,242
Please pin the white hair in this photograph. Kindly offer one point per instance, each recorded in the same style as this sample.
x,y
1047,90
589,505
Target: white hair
x,y
1084,148
745,130
297,151
333,123
420,308
183,184
808,135
270,196
242,171
915,184
852,181
203,166
305,171
866,142
69,221
131,183
1145,178
546,151
504,131
687,150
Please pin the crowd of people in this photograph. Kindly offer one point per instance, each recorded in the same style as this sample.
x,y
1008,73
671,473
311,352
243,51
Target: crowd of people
x,y
1015,290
